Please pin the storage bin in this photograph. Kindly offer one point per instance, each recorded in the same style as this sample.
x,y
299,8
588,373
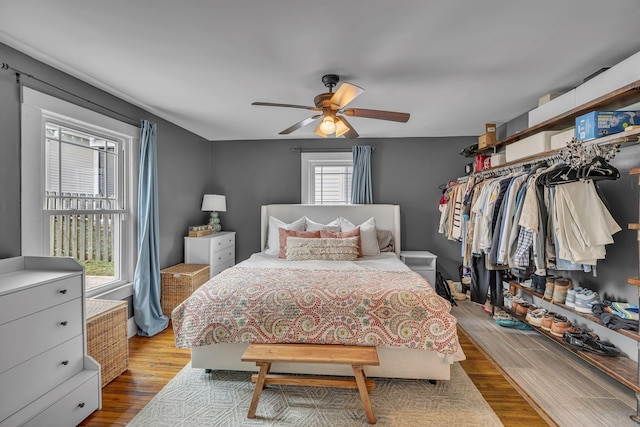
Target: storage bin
x,y
529,146
107,338
179,282
560,139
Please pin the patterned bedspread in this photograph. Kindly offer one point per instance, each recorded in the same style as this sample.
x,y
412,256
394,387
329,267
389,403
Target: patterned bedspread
x,y
262,305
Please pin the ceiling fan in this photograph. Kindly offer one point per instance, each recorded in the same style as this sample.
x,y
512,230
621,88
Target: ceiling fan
x,y
330,105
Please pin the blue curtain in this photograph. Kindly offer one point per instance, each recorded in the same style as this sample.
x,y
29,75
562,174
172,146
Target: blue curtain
x,y
146,280
361,191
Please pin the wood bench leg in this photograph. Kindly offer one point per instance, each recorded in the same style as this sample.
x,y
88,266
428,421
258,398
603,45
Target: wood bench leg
x,y
264,370
358,372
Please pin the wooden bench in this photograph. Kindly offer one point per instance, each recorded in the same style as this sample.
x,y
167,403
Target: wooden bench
x,y
358,357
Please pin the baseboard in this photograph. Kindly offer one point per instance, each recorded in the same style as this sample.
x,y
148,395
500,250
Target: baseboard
x,y
132,328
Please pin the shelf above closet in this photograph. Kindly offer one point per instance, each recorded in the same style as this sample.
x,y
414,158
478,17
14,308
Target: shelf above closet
x,y
590,317
634,281
614,100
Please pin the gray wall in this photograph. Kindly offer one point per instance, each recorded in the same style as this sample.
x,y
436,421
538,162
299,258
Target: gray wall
x,y
183,158
406,171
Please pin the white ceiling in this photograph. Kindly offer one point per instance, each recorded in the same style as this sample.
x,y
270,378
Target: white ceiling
x,y
454,65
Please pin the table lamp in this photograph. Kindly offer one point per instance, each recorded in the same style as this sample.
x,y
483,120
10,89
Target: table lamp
x,y
214,203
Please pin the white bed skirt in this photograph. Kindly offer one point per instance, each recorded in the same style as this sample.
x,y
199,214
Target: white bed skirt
x,y
394,363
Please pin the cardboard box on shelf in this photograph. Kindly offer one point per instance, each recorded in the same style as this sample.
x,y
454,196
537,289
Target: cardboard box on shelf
x,y
596,124
488,138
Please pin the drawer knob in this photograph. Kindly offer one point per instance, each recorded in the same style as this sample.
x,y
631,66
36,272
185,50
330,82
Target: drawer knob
x,y
64,323
65,362
81,405
63,291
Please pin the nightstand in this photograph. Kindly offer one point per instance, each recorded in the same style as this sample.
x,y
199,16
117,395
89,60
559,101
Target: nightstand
x,y
218,250
422,262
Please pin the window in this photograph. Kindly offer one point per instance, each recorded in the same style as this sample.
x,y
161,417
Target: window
x,y
326,178
77,194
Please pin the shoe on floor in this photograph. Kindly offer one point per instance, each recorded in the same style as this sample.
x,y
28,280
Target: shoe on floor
x,y
513,323
455,292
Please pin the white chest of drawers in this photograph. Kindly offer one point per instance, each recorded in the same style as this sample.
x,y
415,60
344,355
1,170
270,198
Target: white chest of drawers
x,y
217,249
46,376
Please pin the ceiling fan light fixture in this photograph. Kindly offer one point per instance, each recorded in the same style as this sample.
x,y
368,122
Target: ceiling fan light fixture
x,y
341,128
328,125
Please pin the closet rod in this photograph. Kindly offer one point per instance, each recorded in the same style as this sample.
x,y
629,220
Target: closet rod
x,y
19,74
622,140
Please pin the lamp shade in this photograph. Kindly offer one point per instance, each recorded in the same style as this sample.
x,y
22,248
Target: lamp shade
x,y
214,202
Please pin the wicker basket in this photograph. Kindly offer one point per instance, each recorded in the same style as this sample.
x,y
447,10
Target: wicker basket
x,y
107,340
179,282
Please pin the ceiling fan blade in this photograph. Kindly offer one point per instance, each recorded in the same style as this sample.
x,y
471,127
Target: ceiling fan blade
x,y
345,94
300,124
272,104
349,132
377,114
318,132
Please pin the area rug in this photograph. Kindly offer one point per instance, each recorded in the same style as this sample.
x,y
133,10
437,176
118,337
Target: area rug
x,y
221,398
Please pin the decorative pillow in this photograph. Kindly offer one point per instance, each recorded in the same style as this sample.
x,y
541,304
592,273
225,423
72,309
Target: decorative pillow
x,y
302,249
285,234
273,236
332,226
368,235
343,234
385,240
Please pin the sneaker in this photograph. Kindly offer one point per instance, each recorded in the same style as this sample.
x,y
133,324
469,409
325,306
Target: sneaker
x,y
535,317
560,288
523,307
624,310
560,325
571,296
584,300
547,320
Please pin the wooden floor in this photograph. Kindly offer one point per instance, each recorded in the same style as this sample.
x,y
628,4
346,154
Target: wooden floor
x,y
154,361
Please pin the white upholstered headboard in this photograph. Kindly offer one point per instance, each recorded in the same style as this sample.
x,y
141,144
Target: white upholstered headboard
x,y
387,217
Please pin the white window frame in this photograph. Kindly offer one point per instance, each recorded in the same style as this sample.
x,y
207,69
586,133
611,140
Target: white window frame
x,y
38,108
311,160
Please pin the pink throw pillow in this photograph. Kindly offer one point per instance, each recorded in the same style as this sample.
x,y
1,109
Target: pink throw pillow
x,y
343,234
293,233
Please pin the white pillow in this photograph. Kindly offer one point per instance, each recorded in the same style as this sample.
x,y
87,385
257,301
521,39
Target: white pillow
x,y
273,236
368,235
316,226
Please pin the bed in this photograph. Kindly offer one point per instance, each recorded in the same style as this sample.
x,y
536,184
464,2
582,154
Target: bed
x,y
320,301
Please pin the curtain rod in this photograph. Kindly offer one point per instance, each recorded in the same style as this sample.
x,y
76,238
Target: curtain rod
x,y
322,150
19,73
